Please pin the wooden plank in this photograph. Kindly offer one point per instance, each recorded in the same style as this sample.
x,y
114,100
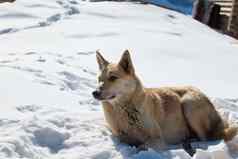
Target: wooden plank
x,y
226,10
225,1
226,6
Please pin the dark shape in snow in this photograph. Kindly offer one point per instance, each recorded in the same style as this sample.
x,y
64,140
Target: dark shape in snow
x,y
48,137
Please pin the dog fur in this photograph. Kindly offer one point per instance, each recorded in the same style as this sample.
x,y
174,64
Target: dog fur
x,y
155,117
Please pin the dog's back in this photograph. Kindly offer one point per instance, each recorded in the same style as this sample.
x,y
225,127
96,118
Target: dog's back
x,y
200,114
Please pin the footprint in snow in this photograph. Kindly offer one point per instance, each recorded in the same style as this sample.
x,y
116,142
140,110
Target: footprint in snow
x,y
40,59
62,3
72,10
50,138
171,16
45,82
60,62
28,108
8,30
174,33
8,61
4,122
54,18
26,69
69,7
69,10
73,2
30,53
86,53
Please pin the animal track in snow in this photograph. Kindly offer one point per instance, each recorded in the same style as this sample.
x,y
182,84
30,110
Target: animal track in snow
x,y
69,10
40,59
74,82
54,18
48,137
4,122
86,53
73,2
26,69
28,108
45,82
30,53
8,30
69,76
8,61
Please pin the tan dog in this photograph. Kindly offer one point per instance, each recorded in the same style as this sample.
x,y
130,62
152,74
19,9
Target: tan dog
x,y
151,117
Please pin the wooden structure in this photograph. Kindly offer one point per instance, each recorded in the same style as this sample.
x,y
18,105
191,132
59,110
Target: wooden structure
x,y
229,16
2,1
226,6
233,21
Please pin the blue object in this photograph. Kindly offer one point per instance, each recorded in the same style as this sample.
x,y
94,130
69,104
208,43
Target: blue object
x,y
183,6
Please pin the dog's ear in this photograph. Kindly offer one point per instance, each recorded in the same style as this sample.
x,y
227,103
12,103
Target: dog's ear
x,y
126,62
101,61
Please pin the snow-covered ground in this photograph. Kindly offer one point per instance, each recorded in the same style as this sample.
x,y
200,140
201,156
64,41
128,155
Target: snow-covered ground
x,y
48,71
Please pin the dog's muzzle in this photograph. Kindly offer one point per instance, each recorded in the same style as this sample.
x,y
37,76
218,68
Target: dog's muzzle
x,y
100,95
96,94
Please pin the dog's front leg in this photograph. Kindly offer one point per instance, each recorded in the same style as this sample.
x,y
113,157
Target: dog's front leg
x,y
155,144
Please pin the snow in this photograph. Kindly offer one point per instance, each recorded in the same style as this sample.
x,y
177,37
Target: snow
x,y
48,71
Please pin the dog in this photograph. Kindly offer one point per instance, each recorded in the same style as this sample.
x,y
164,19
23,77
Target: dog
x,y
155,117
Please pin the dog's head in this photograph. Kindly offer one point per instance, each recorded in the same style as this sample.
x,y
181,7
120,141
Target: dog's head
x,y
116,81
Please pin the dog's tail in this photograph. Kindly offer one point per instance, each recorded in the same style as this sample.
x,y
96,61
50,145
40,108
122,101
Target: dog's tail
x,y
229,133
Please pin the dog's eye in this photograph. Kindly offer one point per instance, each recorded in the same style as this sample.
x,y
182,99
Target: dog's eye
x,y
112,78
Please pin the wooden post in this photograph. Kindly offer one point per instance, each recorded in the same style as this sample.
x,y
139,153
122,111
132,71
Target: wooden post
x,y
2,1
233,22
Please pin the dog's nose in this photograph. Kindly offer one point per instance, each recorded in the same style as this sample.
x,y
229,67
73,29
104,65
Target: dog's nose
x,y
96,94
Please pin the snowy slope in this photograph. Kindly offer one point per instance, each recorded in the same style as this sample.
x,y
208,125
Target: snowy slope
x,y
48,71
